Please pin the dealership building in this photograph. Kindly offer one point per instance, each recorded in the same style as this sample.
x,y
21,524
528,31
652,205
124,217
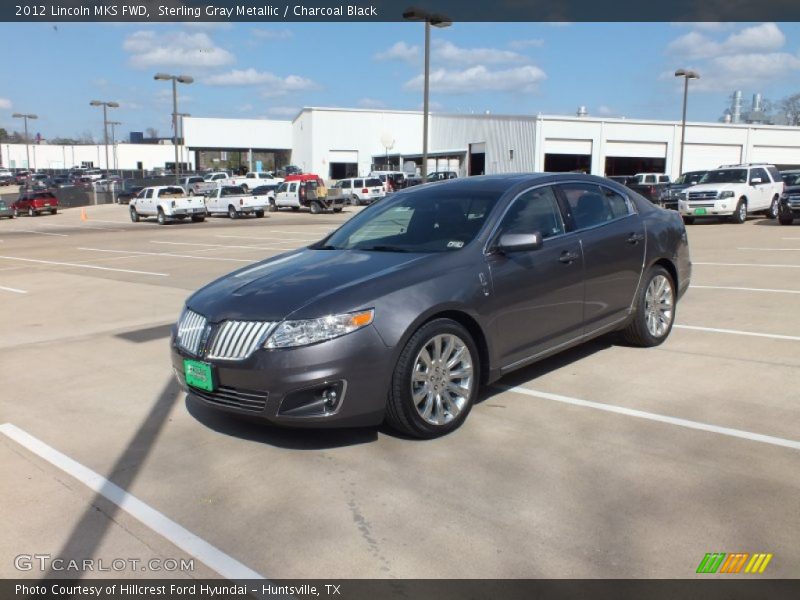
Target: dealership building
x,y
341,142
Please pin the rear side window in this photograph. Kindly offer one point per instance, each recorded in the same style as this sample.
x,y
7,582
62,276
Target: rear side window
x,y
358,183
373,182
593,205
345,185
759,174
776,175
663,179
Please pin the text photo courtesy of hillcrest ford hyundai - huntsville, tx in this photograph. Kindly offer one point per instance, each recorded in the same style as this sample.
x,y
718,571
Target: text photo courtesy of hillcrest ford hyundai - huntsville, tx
x,y
442,300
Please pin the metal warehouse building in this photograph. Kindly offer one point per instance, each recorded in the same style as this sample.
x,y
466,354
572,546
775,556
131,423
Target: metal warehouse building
x,y
342,142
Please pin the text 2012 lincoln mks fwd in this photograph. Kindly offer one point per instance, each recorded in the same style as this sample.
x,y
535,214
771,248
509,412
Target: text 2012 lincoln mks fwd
x,y
409,307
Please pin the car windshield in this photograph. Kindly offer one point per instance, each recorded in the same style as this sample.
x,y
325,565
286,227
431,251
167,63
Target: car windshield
x,y
791,178
690,178
420,221
373,182
725,176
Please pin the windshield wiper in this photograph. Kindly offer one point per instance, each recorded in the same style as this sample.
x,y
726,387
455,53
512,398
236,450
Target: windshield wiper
x,y
384,248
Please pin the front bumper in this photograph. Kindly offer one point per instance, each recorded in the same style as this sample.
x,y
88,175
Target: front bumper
x,y
267,384
707,208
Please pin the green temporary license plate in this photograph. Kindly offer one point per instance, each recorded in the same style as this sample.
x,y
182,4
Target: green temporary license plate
x,y
198,374
699,211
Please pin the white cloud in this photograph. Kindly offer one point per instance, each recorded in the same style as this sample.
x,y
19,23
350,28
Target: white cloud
x,y
481,79
449,53
174,49
371,103
522,44
399,51
5,104
273,84
244,107
606,111
272,34
766,37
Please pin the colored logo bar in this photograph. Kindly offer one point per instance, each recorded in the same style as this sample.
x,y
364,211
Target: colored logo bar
x,y
732,563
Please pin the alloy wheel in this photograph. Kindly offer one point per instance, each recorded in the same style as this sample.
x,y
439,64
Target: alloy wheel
x,y
442,379
659,306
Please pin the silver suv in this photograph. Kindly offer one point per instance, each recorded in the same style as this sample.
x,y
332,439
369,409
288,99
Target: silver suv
x,y
733,191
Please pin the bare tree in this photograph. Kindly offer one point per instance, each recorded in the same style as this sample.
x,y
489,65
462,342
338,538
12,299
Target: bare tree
x,y
790,107
151,132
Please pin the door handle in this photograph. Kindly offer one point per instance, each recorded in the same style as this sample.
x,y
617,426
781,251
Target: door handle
x,y
568,257
635,238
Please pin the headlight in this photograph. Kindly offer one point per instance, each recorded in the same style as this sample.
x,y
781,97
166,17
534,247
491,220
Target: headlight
x,y
310,331
726,194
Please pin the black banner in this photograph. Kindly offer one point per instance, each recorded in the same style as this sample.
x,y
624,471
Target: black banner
x,y
734,588
392,10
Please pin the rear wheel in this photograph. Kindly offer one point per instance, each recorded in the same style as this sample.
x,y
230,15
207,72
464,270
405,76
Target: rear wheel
x,y
655,310
162,218
295,208
355,200
435,381
198,218
272,207
316,208
259,214
337,209
54,211
232,212
31,212
739,216
134,215
688,220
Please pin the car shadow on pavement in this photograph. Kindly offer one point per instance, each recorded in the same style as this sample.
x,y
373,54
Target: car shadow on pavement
x,y
282,437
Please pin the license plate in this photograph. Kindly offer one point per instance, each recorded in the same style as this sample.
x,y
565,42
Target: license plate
x,y
198,374
699,211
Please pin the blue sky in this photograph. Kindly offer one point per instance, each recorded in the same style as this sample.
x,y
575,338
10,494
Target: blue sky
x,y
256,70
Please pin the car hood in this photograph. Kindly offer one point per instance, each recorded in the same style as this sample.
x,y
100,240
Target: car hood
x,y
274,289
704,187
791,189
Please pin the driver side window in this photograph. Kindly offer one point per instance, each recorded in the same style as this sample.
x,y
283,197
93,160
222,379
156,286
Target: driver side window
x,y
534,210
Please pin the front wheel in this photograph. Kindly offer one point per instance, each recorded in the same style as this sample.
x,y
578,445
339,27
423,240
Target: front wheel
x,y
198,218
272,207
134,215
786,218
435,382
162,218
739,216
295,208
772,213
654,310
315,208
232,212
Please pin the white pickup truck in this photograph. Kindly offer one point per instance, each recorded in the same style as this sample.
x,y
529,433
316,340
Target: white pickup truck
x,y
254,179
166,203
234,201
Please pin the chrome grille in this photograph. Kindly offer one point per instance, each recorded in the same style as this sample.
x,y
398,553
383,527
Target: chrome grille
x,y
236,340
701,205
190,331
707,195
233,398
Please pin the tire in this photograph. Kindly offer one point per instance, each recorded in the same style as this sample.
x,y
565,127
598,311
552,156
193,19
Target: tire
x,y
272,207
162,218
245,188
295,208
315,208
16,212
337,209
688,220
405,414
739,215
54,211
134,215
31,212
355,200
259,214
651,325
197,219
232,212
785,219
772,213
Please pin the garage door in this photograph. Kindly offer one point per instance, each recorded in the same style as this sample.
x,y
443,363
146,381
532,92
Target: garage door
x,y
709,156
563,146
776,155
636,149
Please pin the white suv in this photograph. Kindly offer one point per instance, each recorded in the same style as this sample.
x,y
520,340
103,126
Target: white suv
x,y
733,191
361,190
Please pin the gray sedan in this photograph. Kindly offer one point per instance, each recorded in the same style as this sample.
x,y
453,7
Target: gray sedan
x,y
408,308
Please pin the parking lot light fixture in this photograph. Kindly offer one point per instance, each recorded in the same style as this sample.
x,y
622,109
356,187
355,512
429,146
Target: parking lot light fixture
x,y
114,141
175,79
25,117
437,20
106,106
687,74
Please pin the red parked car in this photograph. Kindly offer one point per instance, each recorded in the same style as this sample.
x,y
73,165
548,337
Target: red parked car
x,y
35,203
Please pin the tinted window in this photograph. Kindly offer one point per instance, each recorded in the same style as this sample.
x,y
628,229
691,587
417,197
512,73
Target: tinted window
x,y
357,183
725,176
424,221
346,184
776,175
282,188
592,205
372,182
148,193
534,210
663,179
759,174
195,179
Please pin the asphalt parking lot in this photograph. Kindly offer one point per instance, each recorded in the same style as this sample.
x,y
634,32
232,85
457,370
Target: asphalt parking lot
x,y
604,461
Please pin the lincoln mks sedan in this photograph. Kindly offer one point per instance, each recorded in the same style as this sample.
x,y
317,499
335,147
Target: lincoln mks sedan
x,y
406,310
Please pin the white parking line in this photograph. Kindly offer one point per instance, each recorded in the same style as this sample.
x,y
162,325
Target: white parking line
x,y
213,246
213,557
167,254
773,249
76,226
774,336
746,265
83,266
15,290
271,239
640,414
41,232
742,289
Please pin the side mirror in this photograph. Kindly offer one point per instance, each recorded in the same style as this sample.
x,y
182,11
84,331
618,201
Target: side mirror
x,y
520,242
755,180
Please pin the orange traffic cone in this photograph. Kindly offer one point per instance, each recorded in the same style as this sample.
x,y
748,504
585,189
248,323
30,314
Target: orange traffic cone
x,y
83,215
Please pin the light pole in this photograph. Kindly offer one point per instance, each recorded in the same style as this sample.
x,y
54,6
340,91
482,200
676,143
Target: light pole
x,y
437,20
181,138
687,75
25,117
175,80
106,106
114,141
